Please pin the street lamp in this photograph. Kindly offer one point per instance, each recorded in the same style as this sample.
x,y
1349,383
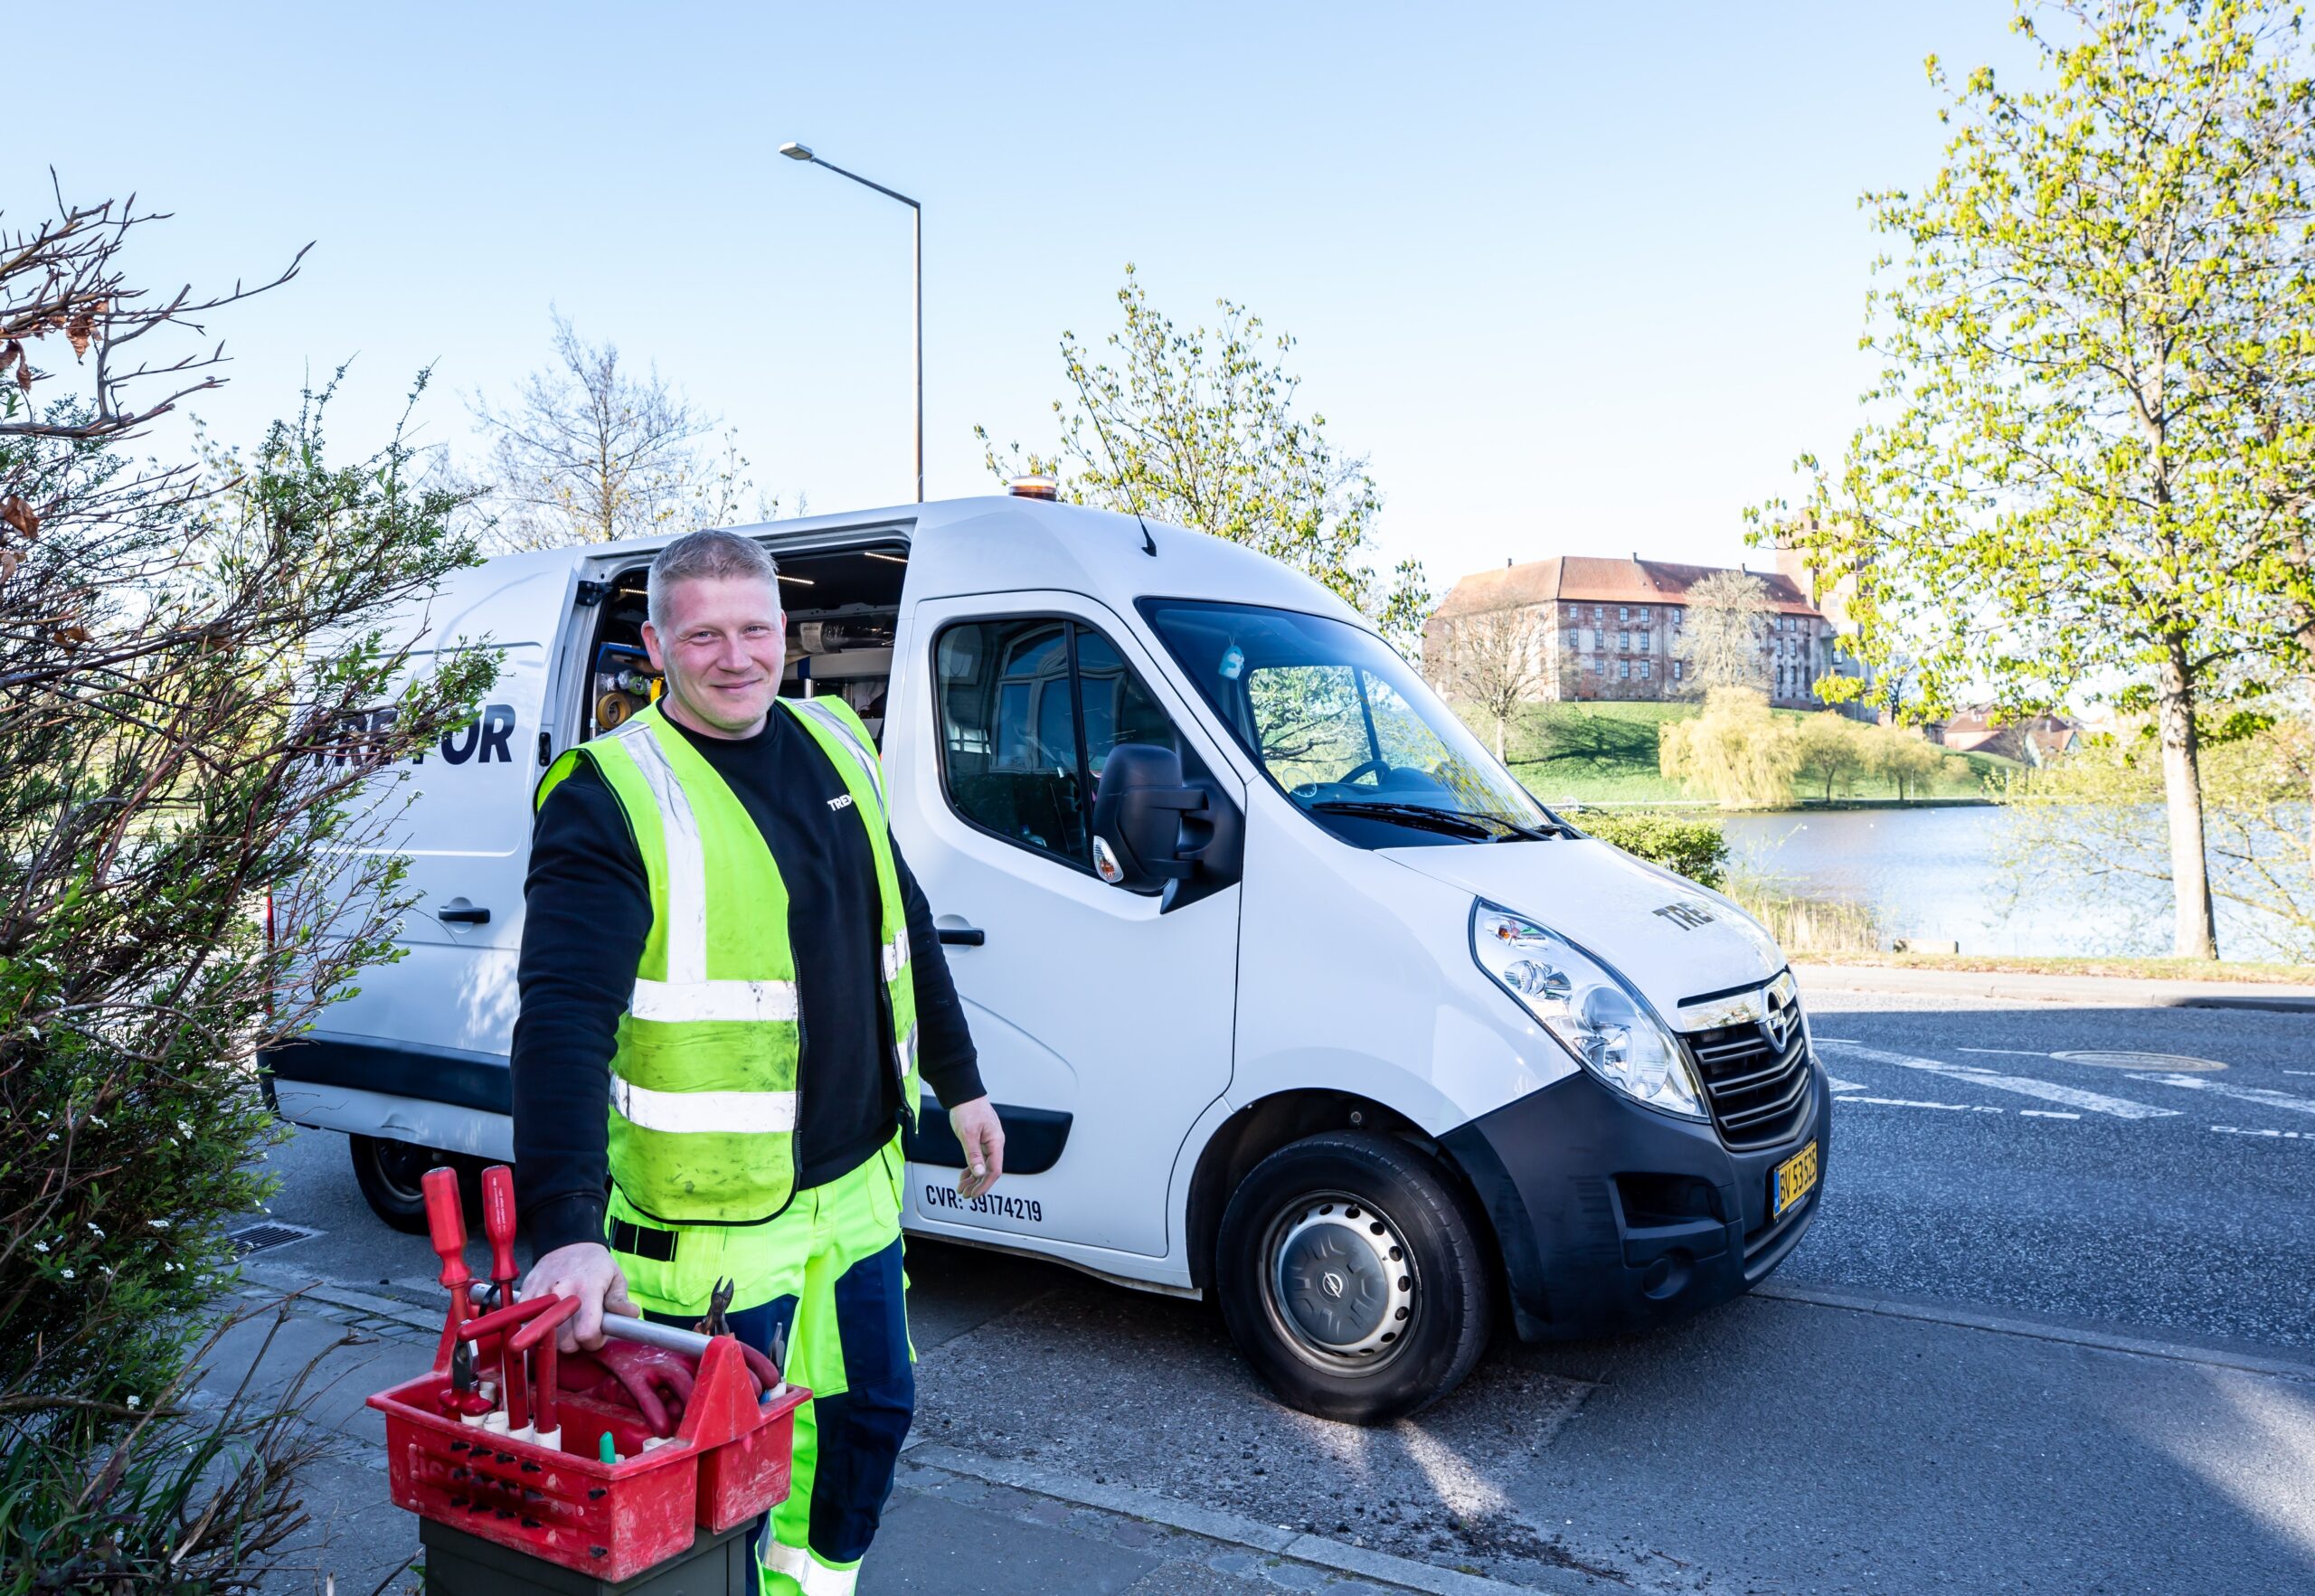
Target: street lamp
x,y
799,152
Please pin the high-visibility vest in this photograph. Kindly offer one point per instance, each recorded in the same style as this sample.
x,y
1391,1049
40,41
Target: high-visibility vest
x,y
704,1094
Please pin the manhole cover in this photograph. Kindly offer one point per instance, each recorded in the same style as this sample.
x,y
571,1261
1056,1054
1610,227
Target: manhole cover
x,y
257,1238
2174,1062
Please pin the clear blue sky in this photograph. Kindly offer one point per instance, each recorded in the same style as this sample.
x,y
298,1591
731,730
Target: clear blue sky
x,y
1576,278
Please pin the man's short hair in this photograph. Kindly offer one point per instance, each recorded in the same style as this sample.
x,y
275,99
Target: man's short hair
x,y
713,555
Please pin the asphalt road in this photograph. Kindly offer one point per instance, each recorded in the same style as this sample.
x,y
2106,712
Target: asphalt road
x,y
1779,1444
2180,1202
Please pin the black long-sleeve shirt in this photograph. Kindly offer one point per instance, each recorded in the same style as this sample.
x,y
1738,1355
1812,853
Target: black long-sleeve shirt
x,y
588,914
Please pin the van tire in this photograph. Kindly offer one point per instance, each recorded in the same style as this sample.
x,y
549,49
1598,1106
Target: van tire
x,y
388,1172
1340,1212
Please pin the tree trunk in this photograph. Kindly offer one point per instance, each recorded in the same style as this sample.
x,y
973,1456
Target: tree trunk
x,y
1498,738
2195,933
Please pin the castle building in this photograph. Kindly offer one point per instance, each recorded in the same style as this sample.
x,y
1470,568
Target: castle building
x,y
1609,629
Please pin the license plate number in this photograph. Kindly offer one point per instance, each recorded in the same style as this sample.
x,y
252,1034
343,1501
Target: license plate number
x,y
1792,1180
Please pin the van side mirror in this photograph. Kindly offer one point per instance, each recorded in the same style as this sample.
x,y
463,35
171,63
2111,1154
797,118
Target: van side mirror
x,y
1138,814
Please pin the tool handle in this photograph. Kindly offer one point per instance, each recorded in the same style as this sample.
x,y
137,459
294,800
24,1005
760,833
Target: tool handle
x,y
507,1317
687,1341
445,1225
498,1219
543,1327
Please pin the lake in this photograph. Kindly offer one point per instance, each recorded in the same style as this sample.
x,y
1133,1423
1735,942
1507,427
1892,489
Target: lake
x,y
1939,873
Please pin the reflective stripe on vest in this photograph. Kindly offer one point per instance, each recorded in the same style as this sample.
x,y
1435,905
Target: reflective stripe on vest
x,y
837,726
704,1113
688,994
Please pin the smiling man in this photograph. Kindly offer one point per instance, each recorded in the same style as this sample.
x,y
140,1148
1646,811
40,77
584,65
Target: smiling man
x,y
729,984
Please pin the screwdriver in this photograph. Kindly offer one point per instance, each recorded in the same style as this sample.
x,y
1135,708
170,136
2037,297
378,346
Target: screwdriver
x,y
446,1226
498,1223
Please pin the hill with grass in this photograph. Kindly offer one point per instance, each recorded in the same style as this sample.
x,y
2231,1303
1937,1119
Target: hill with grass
x,y
1608,753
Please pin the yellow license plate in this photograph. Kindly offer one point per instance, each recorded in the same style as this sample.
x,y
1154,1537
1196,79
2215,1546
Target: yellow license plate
x,y
1792,1180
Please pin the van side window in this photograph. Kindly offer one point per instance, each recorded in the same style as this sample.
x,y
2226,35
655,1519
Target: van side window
x,y
1030,708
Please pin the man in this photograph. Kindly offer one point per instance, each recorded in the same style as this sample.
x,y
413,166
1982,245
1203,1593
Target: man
x,y
730,982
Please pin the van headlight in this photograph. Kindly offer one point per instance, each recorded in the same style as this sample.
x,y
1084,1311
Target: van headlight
x,y
1587,1009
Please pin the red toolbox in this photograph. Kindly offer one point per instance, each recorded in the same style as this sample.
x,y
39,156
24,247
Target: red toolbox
x,y
725,1464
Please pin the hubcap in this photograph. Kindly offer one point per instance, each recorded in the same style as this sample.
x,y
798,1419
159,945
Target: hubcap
x,y
1340,1286
403,1168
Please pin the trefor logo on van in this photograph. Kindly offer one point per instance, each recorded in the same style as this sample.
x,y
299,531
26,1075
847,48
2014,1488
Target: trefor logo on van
x,y
487,737
1686,916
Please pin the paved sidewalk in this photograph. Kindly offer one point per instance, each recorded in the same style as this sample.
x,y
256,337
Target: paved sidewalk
x,y
957,1525
2090,991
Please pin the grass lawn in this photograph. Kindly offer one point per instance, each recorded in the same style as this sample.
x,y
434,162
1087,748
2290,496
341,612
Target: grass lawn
x,y
1605,753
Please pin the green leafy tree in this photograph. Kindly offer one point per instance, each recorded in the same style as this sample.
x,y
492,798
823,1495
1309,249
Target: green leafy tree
x,y
195,681
1832,751
1201,429
2074,466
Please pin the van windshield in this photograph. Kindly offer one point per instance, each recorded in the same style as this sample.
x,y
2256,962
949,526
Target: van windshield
x,y
1344,728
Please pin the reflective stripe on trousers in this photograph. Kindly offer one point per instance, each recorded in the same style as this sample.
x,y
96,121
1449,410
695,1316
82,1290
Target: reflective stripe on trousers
x,y
812,1577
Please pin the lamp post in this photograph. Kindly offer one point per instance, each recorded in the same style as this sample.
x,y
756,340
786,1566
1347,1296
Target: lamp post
x,y
799,152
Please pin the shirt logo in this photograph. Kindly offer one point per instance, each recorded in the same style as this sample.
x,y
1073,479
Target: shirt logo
x,y
841,803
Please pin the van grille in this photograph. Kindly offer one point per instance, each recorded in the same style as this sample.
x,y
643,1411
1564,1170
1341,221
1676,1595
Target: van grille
x,y
1759,1092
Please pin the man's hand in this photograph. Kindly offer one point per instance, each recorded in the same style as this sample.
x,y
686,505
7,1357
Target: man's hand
x,y
583,1270
982,1137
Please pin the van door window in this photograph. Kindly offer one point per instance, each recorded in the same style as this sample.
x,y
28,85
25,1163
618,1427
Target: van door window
x,y
1030,708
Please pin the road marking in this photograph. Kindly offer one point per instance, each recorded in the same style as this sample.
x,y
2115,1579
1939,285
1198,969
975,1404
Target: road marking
x,y
2023,1053
2299,1071
2047,1114
1836,1083
2277,1135
1968,1319
2249,1094
1906,1102
2073,1097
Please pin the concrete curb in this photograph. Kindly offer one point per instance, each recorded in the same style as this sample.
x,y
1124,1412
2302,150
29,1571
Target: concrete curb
x,y
1229,1528
2214,1357
2098,991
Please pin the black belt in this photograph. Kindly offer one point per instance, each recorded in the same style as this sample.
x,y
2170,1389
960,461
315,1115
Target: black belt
x,y
639,1241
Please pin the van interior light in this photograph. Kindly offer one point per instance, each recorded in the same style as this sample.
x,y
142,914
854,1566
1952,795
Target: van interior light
x,y
888,559
801,581
1036,485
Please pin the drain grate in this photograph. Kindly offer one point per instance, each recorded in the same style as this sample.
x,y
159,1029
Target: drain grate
x,y
260,1238
2175,1063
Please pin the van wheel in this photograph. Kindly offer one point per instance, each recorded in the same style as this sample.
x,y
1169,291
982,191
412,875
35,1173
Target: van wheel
x,y
388,1172
1352,1277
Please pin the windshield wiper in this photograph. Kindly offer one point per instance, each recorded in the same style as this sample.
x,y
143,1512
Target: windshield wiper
x,y
1420,816
1519,831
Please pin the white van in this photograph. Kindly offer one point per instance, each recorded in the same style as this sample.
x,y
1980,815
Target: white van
x,y
1285,989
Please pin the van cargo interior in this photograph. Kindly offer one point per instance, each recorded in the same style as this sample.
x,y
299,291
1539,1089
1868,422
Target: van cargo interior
x,y
842,606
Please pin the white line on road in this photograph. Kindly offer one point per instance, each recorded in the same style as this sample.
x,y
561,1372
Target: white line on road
x,y
2276,1135
2249,1094
2047,1114
2299,1071
2023,1053
2073,1097
1836,1083
1906,1102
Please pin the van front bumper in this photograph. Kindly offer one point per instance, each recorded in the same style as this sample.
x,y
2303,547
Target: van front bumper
x,y
1611,1217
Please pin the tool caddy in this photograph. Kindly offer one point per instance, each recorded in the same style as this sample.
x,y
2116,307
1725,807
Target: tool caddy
x,y
531,1474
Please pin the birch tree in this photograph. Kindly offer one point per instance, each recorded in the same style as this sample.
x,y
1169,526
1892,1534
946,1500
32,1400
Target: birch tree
x,y
592,450
1493,659
2080,466
1722,641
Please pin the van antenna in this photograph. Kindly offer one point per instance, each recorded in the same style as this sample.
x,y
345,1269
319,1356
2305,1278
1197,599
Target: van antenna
x,y
1149,544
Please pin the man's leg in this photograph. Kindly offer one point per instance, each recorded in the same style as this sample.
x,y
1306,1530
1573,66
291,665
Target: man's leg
x,y
850,1345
